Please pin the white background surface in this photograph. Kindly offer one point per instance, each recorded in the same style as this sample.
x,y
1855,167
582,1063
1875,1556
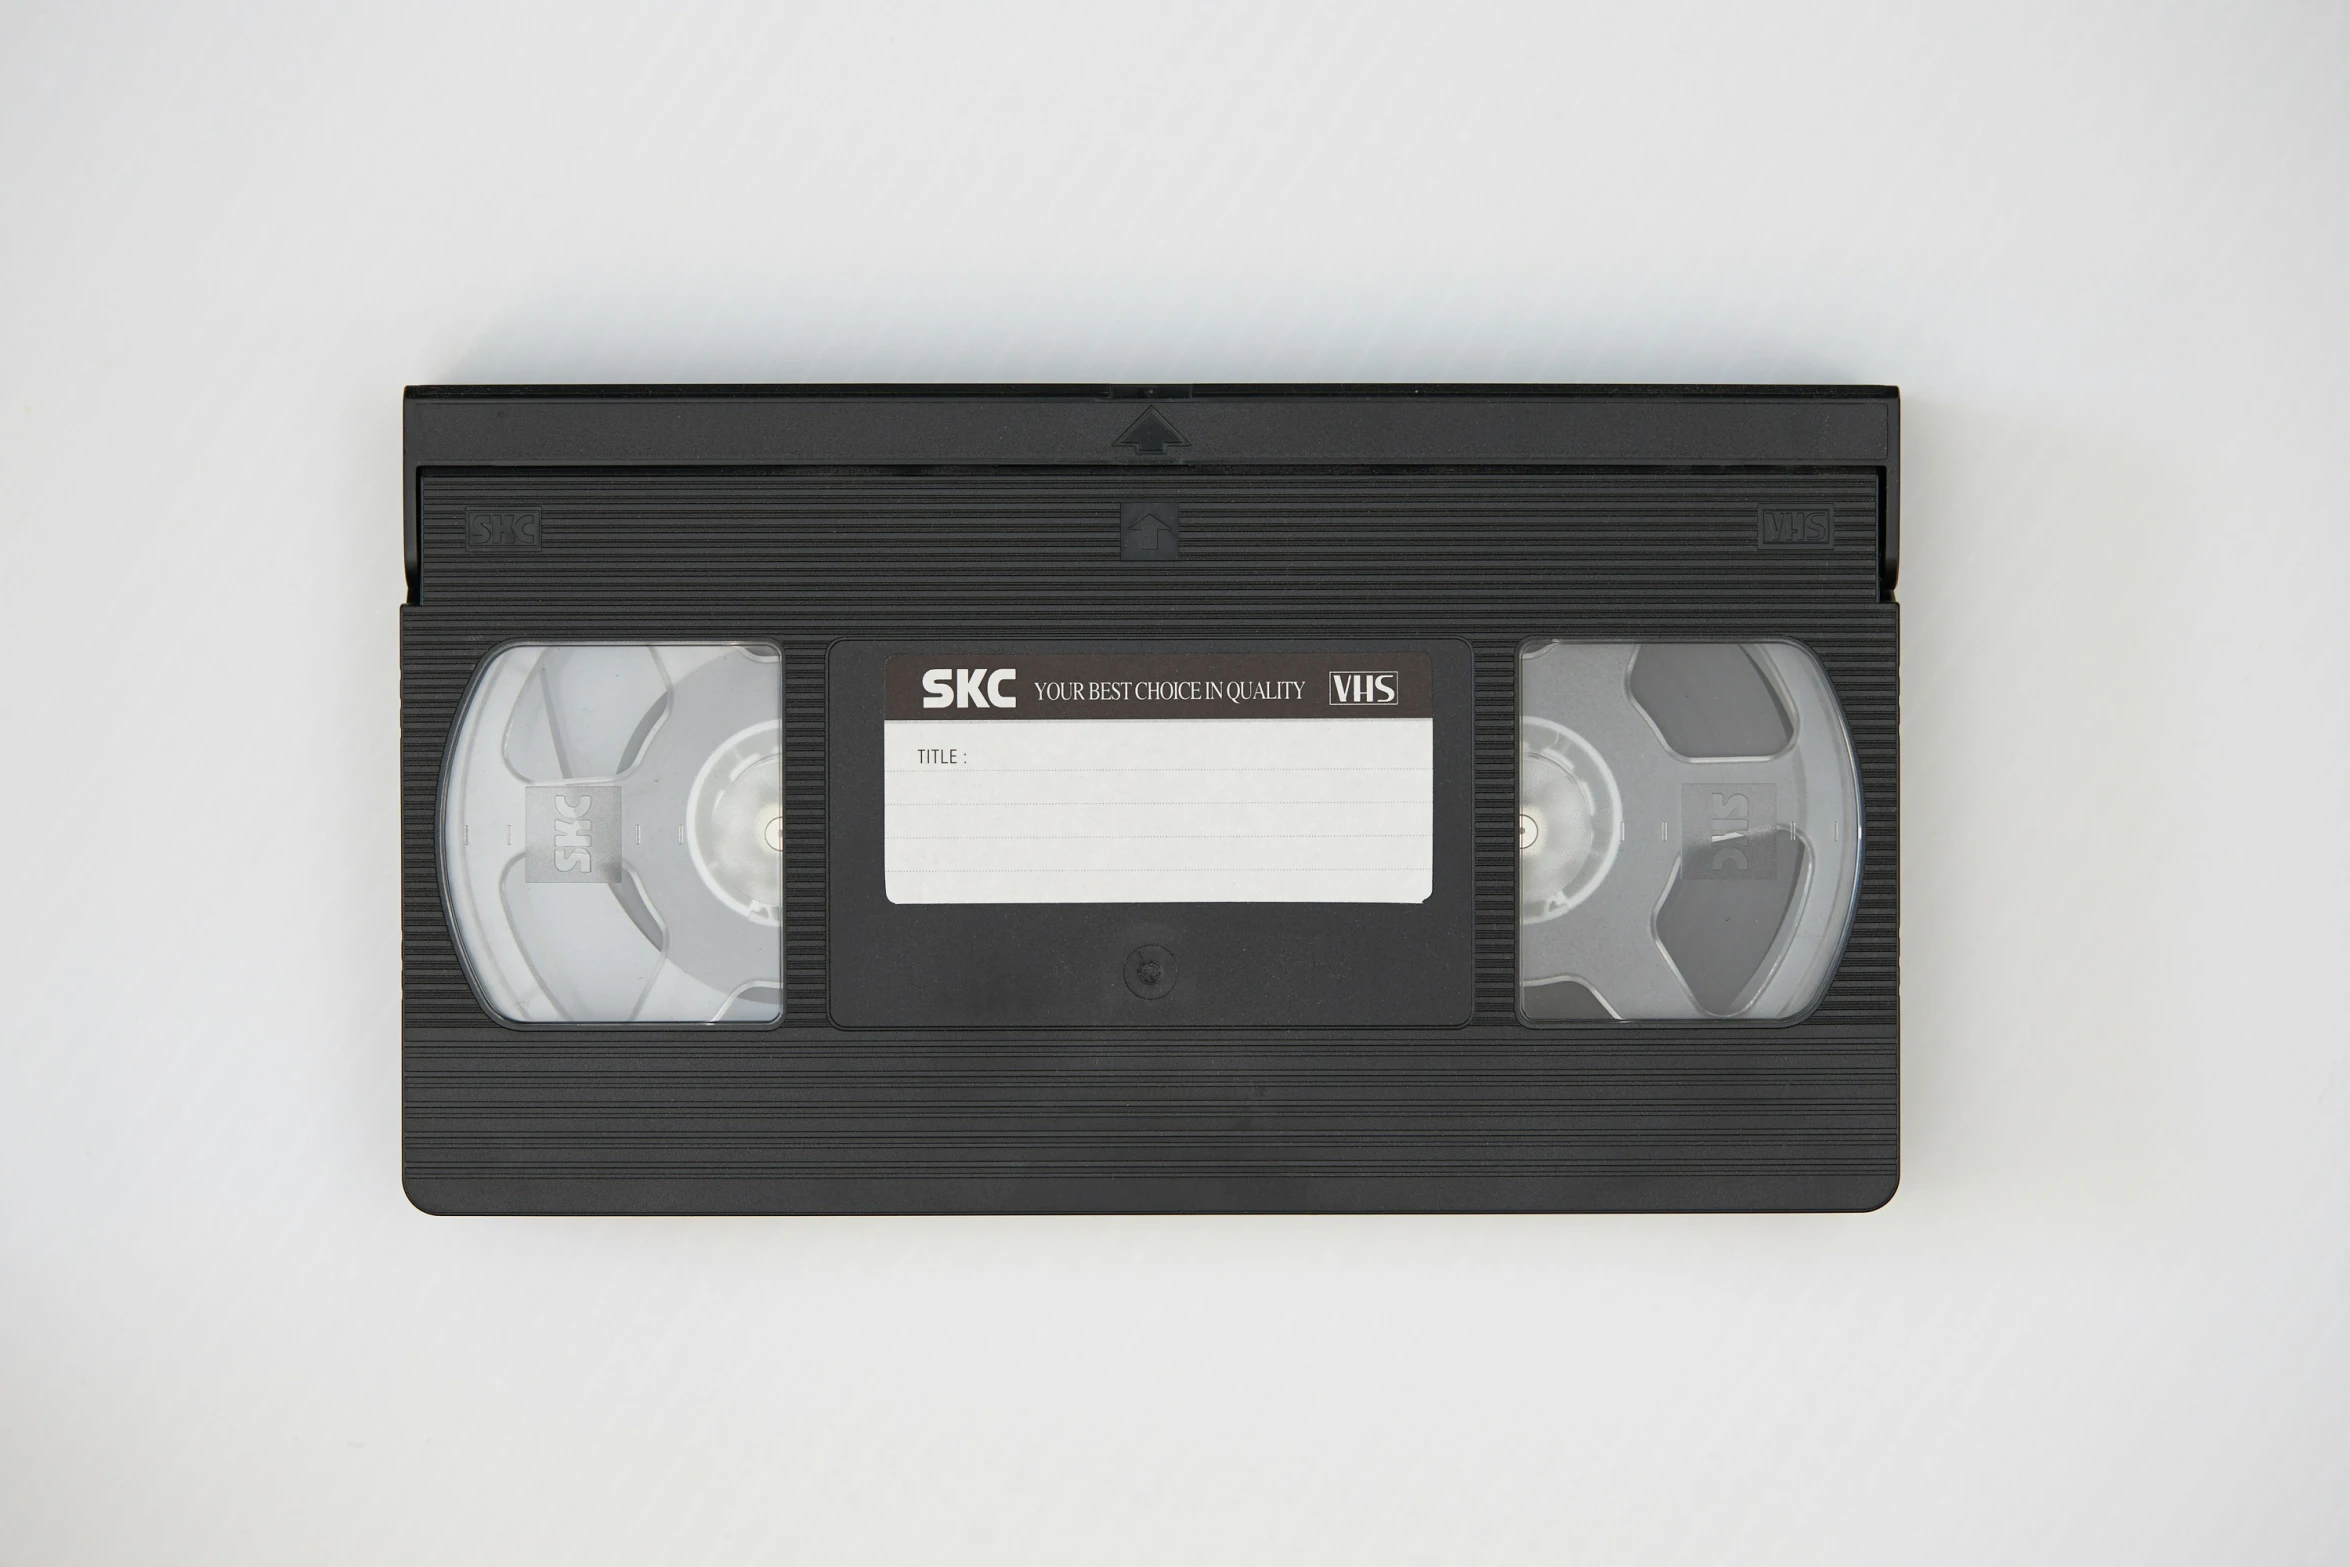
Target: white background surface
x,y
2102,252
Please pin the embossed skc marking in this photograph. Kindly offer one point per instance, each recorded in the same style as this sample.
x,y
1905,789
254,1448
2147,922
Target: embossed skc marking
x,y
488,532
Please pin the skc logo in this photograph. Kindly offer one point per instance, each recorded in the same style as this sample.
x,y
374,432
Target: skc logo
x,y
968,688
1730,831
574,848
1364,688
571,832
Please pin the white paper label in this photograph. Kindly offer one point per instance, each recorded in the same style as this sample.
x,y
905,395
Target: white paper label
x,y
1022,806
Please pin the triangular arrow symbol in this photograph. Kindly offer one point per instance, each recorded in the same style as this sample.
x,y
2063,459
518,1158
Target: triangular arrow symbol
x,y
1150,435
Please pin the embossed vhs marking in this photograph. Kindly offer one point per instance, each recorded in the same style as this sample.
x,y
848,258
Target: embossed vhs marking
x,y
1795,528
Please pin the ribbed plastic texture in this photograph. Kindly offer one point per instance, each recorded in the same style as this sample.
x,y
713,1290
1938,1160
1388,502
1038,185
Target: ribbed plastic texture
x,y
804,1117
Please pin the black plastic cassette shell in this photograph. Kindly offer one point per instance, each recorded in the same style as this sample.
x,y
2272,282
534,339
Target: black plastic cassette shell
x,y
803,515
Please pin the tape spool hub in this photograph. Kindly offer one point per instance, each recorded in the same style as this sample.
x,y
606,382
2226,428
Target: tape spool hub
x,y
1570,819
734,824
1689,830
612,833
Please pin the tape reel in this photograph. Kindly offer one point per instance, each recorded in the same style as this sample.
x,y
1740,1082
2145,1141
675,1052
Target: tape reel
x,y
612,833
1688,830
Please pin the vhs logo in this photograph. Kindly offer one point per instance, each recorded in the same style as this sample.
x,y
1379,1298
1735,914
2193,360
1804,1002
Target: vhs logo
x,y
1365,688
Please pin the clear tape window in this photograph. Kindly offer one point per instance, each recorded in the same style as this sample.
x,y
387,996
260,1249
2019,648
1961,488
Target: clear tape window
x,y
1688,830
612,833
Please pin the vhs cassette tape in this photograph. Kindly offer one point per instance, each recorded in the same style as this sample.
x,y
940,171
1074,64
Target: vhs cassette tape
x,y
871,799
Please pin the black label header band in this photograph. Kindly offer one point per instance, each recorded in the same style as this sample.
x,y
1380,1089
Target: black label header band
x,y
1012,683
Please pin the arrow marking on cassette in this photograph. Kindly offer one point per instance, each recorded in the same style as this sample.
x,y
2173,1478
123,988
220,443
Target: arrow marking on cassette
x,y
1150,435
